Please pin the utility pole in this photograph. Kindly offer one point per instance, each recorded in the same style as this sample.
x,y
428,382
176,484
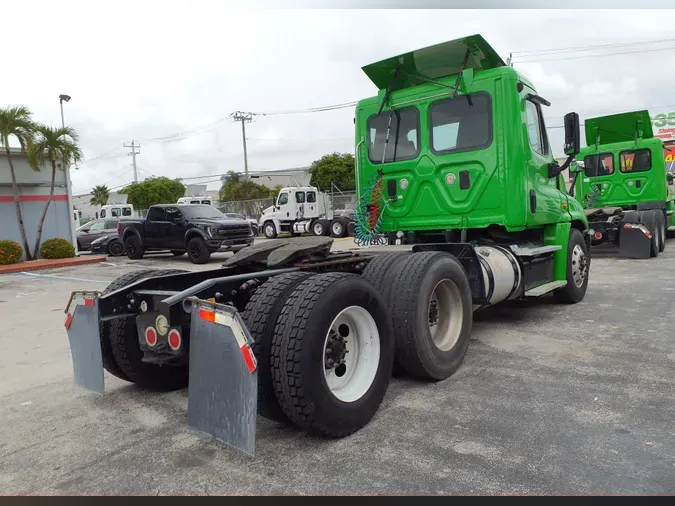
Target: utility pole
x,y
133,154
244,117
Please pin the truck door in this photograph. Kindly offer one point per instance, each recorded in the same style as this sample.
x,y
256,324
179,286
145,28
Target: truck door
x,y
544,199
286,208
155,227
299,205
175,228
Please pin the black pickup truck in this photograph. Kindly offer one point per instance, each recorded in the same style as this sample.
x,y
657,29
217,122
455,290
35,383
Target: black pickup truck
x,y
196,229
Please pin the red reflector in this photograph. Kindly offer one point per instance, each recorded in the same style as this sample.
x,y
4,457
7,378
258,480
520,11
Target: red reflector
x,y
89,302
598,235
150,336
209,316
174,339
69,319
248,357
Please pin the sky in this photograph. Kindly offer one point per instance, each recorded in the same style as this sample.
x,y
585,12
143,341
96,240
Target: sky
x,y
149,70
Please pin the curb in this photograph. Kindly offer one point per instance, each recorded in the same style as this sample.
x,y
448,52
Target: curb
x,y
38,265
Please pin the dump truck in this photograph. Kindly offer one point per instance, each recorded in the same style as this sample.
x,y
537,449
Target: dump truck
x,y
475,213
620,178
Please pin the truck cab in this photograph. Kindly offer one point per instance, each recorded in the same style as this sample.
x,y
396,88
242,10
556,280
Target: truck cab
x,y
622,169
297,210
117,211
466,148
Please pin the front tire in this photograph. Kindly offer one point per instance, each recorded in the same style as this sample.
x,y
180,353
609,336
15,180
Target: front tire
x,y
432,314
270,230
318,385
134,247
198,251
578,269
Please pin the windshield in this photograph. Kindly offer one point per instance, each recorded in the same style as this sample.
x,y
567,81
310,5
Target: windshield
x,y
458,124
200,211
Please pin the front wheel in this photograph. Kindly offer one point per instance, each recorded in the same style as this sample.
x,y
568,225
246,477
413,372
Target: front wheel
x,y
198,251
578,267
270,230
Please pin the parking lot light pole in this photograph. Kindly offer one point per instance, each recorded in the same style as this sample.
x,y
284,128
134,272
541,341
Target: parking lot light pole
x,y
69,192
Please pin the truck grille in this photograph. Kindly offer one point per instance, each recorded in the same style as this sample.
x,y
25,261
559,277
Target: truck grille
x,y
234,231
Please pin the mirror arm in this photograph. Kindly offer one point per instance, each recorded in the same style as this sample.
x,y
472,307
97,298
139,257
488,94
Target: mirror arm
x,y
574,184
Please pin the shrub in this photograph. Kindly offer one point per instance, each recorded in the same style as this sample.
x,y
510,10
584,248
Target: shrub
x,y
10,252
57,248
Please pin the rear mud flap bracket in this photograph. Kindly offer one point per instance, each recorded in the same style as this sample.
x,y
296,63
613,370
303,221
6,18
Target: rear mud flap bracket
x,y
223,383
85,341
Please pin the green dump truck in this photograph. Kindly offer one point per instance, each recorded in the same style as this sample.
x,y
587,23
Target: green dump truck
x,y
453,160
621,180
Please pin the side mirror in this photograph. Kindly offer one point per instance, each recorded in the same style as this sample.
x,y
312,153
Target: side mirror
x,y
572,134
577,166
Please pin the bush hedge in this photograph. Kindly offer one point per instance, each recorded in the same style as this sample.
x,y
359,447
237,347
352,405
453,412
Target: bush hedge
x,y
57,248
10,252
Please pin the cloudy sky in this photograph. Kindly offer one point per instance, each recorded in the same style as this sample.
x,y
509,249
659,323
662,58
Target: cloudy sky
x,y
168,74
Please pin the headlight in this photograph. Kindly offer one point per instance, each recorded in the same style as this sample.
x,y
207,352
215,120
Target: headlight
x,y
208,231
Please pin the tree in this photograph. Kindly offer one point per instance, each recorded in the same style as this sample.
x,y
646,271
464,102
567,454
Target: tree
x,y
337,168
235,188
100,197
276,190
152,191
54,143
16,122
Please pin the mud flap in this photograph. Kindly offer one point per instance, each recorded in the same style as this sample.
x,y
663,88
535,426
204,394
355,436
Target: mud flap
x,y
635,241
223,383
85,342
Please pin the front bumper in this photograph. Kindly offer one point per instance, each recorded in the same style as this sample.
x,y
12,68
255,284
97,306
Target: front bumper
x,y
100,248
227,244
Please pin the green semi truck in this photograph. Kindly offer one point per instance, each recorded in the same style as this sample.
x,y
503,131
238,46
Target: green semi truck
x,y
621,180
453,160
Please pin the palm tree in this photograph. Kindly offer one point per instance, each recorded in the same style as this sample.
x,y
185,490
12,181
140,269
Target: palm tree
x,y
16,122
54,143
101,194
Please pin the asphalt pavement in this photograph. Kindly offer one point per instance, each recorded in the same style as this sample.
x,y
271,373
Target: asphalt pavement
x,y
551,399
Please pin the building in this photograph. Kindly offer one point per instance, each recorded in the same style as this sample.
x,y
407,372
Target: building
x,y
33,194
284,177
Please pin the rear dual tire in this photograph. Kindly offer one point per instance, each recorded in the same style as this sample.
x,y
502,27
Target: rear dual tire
x,y
122,353
292,318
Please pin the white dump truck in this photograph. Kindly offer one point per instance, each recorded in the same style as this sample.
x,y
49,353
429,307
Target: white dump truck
x,y
303,210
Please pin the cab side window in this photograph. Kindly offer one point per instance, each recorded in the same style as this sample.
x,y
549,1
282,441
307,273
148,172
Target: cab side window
x,y
300,197
156,214
126,211
536,130
311,197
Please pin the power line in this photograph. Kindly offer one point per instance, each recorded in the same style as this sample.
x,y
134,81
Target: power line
x,y
597,55
589,48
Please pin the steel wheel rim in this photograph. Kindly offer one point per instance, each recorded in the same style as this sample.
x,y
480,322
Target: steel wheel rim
x,y
351,373
318,229
445,314
269,230
579,265
337,228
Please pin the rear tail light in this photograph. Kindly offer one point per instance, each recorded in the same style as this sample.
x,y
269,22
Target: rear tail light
x,y
174,340
119,228
151,336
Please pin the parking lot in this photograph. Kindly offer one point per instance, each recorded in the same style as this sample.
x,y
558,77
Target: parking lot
x,y
550,399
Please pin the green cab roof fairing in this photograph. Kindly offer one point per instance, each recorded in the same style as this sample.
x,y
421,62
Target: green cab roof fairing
x,y
434,62
618,128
